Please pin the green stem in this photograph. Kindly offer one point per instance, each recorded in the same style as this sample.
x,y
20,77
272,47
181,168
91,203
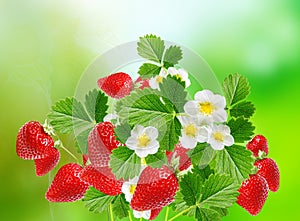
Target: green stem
x,y
111,212
141,219
130,217
167,213
181,213
72,155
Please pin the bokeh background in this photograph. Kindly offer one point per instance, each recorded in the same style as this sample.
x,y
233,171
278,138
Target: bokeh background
x,y
45,47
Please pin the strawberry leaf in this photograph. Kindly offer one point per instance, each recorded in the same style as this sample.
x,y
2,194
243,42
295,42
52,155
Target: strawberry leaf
x,y
148,70
190,187
122,132
241,129
202,155
120,207
146,108
219,191
125,163
96,201
156,160
243,109
236,161
151,47
205,214
70,115
172,56
236,88
174,91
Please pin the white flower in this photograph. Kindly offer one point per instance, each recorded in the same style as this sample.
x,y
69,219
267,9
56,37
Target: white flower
x,y
155,81
191,133
143,140
129,187
180,74
207,106
219,136
139,214
111,117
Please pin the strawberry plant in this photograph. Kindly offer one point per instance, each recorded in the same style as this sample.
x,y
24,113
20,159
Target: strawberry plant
x,y
157,147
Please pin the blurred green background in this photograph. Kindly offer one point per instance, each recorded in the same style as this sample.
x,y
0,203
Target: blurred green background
x,y
46,45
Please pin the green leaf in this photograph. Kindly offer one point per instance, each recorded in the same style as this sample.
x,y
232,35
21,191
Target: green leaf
x,y
174,91
243,109
148,70
219,191
172,56
96,105
156,160
145,107
206,214
125,163
204,172
236,161
190,187
201,155
151,47
120,207
241,129
67,114
236,88
82,140
123,132
96,201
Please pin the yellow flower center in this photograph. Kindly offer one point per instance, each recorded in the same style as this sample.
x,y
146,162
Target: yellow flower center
x,y
178,76
206,108
159,79
132,189
218,136
143,161
190,130
143,140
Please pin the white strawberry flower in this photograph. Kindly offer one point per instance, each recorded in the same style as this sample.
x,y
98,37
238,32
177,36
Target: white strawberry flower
x,y
142,214
143,140
111,118
180,74
129,187
219,136
156,80
191,132
207,106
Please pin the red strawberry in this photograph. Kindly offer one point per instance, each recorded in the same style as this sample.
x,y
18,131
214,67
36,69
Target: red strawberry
x,y
156,188
116,85
253,194
33,142
155,213
102,179
258,143
44,165
184,161
268,169
142,83
85,158
101,142
67,186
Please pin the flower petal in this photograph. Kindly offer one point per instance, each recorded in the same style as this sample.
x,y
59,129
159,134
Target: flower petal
x,y
202,135
216,145
187,142
220,116
191,108
151,132
228,140
204,95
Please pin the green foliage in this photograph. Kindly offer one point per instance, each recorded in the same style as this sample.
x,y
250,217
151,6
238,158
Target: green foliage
x,y
125,163
236,161
172,56
156,160
201,155
70,115
236,88
96,201
148,70
120,207
241,129
151,48
243,109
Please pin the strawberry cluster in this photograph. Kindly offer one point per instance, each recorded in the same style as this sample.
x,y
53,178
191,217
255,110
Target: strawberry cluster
x,y
254,191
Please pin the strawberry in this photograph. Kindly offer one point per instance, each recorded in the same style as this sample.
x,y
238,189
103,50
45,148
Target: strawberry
x,y
156,188
101,142
268,169
253,194
116,85
258,143
67,186
102,179
33,142
85,158
44,165
155,213
184,161
140,83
